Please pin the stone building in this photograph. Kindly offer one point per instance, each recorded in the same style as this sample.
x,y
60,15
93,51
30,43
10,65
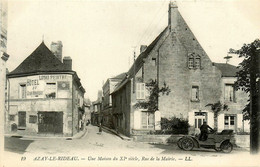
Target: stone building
x,y
108,88
45,96
87,105
96,109
177,59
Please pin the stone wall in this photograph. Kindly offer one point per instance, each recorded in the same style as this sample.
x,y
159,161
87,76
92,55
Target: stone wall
x,y
32,107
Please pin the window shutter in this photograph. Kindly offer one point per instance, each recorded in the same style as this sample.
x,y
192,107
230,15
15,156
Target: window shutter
x,y
142,90
144,118
151,119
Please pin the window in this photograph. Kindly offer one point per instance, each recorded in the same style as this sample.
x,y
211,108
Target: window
x,y
50,90
195,93
22,91
147,120
154,61
197,62
140,90
11,117
229,93
33,119
190,63
200,117
194,62
230,122
226,120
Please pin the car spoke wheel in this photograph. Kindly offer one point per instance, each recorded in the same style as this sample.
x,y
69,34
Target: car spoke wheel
x,y
187,144
226,147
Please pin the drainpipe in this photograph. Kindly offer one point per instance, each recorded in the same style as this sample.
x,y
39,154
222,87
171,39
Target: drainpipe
x,y
8,100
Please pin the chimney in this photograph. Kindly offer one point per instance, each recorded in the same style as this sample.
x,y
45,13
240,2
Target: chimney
x,y
173,16
56,48
67,61
142,48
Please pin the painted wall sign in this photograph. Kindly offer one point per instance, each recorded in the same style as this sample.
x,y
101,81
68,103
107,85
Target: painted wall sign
x,y
54,77
37,86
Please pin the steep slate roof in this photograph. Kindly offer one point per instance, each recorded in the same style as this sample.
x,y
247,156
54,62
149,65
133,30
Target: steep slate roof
x,y
40,60
139,61
227,70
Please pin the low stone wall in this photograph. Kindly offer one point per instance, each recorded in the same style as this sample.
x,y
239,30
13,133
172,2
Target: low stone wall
x,y
242,141
157,138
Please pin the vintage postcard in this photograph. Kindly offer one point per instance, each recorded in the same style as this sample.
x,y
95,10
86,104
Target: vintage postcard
x,y
129,83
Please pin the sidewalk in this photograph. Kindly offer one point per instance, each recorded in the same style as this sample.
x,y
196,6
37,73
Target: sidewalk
x,y
123,137
26,137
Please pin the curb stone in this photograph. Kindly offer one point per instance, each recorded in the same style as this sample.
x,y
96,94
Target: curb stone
x,y
117,134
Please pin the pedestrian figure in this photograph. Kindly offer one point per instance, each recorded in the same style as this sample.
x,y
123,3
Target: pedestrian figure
x,y
204,131
100,128
88,122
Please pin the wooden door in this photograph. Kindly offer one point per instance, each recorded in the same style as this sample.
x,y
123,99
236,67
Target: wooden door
x,y
50,122
21,119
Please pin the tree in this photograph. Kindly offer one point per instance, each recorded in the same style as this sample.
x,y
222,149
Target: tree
x,y
216,108
248,81
152,103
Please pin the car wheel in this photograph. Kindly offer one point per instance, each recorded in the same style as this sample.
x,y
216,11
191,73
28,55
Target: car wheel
x,y
226,147
187,144
179,143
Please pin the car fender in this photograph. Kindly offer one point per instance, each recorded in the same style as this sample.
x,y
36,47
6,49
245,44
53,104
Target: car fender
x,y
227,140
196,142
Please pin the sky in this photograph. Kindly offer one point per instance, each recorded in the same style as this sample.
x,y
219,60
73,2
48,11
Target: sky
x,y
101,36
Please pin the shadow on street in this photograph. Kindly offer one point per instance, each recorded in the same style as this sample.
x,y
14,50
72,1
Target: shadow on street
x,y
16,145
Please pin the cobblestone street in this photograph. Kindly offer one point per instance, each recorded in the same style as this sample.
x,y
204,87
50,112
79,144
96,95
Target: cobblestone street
x,y
94,145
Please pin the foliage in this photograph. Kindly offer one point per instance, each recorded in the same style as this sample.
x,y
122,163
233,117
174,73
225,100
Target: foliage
x,y
152,103
248,80
217,108
249,66
173,125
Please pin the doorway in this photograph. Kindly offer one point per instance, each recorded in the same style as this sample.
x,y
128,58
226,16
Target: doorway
x,y
50,122
200,117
